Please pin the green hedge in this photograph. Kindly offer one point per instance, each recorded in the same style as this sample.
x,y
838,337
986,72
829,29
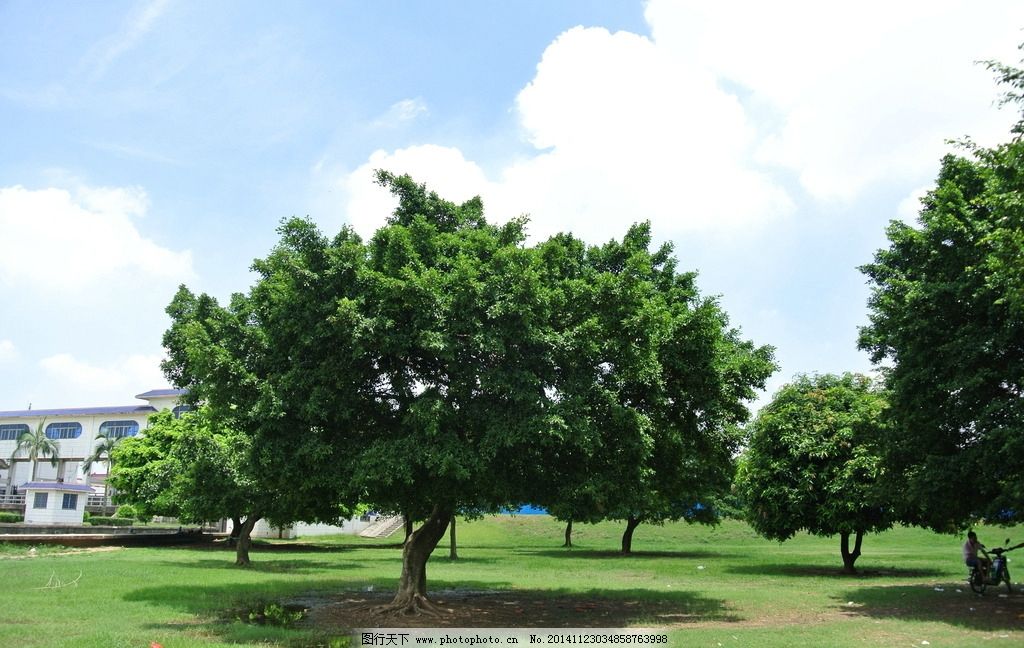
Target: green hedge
x,y
96,520
11,517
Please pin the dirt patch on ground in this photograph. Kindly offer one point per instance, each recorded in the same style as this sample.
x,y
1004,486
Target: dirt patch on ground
x,y
504,609
483,609
70,552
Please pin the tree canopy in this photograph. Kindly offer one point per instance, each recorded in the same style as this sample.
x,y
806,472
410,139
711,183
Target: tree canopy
x,y
445,365
651,382
813,462
947,312
199,469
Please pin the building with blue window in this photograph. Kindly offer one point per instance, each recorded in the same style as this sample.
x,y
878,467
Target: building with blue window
x,y
74,430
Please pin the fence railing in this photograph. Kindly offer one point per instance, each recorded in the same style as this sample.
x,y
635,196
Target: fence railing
x,y
12,501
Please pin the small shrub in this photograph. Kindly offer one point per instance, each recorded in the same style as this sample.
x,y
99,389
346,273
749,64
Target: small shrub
x,y
86,516
11,517
273,614
126,511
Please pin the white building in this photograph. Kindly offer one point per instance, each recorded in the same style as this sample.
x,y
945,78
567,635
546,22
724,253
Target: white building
x,y
55,503
74,430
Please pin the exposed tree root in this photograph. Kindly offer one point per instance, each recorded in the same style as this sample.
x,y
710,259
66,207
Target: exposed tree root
x,y
414,605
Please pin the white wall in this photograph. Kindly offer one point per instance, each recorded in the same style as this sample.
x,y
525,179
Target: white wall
x,y
301,529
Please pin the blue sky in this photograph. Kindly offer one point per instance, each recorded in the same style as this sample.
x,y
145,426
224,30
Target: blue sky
x,y
145,144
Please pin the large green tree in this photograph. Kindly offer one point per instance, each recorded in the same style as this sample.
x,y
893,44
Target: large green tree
x,y
451,367
813,462
420,355
946,312
651,380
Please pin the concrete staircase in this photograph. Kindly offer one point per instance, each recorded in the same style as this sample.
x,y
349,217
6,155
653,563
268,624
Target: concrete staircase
x,y
383,527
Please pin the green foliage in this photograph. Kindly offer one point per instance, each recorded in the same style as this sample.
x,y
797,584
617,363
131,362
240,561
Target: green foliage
x,y
947,310
273,614
126,511
650,383
103,450
190,468
11,517
813,460
444,365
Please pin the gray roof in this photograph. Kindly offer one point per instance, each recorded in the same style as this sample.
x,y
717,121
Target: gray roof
x,y
156,393
80,411
57,486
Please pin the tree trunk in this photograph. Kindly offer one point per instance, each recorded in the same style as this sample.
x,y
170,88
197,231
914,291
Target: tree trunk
x,y
245,541
236,528
850,557
627,538
453,552
411,597
408,526
568,534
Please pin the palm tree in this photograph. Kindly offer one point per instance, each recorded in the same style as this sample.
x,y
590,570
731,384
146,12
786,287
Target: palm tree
x,y
36,444
105,444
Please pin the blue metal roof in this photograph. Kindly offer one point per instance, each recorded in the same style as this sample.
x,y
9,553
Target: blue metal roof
x,y
80,411
56,486
156,393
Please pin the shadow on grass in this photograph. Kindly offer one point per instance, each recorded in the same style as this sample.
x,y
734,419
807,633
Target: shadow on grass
x,y
272,564
800,570
296,566
470,605
943,604
334,607
609,554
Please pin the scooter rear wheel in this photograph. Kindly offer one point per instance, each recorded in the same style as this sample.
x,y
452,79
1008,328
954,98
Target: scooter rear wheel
x,y
977,581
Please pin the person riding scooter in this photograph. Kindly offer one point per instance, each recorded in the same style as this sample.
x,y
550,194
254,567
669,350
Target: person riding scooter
x,y
971,557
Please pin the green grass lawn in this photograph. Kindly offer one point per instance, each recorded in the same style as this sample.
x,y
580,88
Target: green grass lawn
x,y
718,586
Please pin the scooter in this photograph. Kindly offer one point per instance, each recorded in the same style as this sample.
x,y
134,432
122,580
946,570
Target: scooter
x,y
998,573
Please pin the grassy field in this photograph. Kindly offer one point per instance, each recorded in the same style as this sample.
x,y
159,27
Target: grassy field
x,y
720,586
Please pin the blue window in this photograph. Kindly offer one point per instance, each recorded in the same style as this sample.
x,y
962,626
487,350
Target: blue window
x,y
119,429
70,502
39,502
181,409
63,430
11,431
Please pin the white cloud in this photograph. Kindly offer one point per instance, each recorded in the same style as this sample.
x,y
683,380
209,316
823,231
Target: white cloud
x,y
850,95
7,351
63,242
702,126
109,382
402,112
623,134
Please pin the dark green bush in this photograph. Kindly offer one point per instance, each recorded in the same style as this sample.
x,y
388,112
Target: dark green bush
x,y
11,517
97,520
126,511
